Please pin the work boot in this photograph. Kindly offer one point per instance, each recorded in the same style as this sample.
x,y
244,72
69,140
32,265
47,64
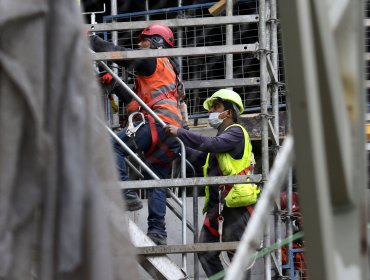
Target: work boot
x,y
157,238
133,202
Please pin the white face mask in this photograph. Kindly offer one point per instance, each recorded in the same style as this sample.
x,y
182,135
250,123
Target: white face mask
x,y
214,119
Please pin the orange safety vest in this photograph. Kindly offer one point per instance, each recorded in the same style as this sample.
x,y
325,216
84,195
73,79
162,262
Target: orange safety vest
x,y
159,92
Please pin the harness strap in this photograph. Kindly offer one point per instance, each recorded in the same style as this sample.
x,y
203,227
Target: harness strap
x,y
226,189
216,232
158,161
156,142
153,130
246,170
250,209
243,172
207,224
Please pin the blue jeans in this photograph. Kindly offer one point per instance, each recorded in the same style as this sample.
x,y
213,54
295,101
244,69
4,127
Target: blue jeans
x,y
156,196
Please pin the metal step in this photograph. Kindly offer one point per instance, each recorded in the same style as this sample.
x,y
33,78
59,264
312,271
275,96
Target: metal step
x,y
159,267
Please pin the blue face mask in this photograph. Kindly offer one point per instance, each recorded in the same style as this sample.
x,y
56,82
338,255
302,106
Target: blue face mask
x,y
214,119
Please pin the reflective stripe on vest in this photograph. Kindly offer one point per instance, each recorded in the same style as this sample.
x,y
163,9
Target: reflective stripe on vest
x,y
160,87
227,164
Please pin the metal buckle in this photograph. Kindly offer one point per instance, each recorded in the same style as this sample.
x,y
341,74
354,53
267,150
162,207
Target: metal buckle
x,y
132,129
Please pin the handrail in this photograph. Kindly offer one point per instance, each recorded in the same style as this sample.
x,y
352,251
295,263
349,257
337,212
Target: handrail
x,y
163,124
157,11
150,111
176,22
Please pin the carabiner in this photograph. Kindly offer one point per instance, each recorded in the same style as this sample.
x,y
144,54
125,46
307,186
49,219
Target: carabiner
x,y
132,129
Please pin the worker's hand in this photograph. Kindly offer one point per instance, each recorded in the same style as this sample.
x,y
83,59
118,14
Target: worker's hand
x,y
171,130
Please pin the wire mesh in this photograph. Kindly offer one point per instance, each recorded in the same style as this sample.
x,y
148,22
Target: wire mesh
x,y
205,67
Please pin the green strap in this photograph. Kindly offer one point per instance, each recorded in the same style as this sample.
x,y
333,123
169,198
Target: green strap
x,y
264,252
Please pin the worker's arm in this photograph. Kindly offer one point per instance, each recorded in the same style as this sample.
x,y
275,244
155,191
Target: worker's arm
x,y
231,141
145,66
196,158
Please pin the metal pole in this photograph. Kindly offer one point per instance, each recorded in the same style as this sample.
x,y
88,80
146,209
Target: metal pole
x,y
252,234
147,16
131,153
196,227
114,10
150,111
229,41
275,64
263,89
289,190
264,122
183,164
113,13
289,194
275,112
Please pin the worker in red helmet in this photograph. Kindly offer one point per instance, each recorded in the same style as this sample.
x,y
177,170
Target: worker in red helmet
x,y
157,84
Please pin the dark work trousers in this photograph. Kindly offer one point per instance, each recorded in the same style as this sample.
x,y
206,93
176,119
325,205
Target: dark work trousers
x,y
160,165
235,221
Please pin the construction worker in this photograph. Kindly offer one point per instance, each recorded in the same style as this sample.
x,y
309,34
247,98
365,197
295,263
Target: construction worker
x,y
157,85
227,208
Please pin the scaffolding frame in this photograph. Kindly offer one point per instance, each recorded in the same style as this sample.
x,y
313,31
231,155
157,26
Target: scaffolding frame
x,y
268,81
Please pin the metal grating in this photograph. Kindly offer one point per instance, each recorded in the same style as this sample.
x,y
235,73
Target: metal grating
x,y
206,67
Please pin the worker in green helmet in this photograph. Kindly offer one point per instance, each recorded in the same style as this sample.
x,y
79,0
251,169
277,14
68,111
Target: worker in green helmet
x,y
227,207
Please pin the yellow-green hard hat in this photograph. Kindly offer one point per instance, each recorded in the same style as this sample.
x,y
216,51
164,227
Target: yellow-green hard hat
x,y
224,94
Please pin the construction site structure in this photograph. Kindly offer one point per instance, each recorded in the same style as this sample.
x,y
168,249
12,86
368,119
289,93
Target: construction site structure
x,y
238,45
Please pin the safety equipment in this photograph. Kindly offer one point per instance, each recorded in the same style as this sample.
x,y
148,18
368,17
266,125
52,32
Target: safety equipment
x,y
214,120
132,128
227,95
159,92
106,78
161,30
156,42
238,195
295,202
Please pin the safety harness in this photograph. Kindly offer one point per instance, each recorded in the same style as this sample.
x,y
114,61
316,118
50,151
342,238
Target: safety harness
x,y
156,141
223,191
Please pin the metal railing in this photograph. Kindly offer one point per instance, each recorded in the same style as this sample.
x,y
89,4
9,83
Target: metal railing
x,y
267,80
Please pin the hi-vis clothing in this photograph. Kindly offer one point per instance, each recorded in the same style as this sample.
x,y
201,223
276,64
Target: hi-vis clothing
x,y
234,143
239,195
159,92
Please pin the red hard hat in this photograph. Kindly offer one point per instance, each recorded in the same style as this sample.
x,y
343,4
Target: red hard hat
x,y
295,202
161,30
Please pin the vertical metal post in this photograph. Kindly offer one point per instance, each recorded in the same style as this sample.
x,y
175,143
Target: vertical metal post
x,y
264,115
183,164
275,112
113,12
289,191
252,234
147,17
263,89
275,64
229,41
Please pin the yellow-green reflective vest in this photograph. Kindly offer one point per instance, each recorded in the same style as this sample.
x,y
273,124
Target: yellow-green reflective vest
x,y
240,195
